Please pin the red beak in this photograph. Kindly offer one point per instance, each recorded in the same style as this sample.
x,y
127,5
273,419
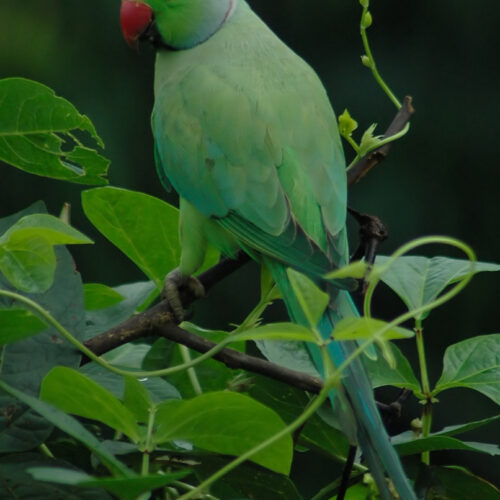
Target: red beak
x,y
135,18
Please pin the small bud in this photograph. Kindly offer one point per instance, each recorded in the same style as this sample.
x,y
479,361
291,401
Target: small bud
x,y
366,61
364,3
367,20
347,124
416,425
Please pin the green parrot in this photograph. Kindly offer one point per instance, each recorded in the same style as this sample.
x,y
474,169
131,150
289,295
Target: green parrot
x,y
245,133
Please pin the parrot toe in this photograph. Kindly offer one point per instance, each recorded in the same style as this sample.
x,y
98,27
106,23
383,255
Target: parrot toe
x,y
175,283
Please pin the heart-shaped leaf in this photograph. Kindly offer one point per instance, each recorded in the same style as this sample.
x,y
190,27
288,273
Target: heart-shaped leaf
x,y
419,280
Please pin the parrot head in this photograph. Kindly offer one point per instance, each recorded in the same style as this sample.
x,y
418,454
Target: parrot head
x,y
176,24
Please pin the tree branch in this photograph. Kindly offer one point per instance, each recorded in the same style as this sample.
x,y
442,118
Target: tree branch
x,y
365,164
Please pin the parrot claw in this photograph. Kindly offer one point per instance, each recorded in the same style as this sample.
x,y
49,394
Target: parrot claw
x,y
174,282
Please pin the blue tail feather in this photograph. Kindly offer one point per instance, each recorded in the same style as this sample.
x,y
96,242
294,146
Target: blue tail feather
x,y
370,433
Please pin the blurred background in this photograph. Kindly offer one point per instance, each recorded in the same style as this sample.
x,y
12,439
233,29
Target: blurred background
x,y
443,178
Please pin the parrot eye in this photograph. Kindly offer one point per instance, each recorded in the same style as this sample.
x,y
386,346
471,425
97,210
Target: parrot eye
x,y
135,19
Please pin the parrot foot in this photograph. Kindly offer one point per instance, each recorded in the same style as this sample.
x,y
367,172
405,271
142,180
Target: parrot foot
x,y
173,285
372,233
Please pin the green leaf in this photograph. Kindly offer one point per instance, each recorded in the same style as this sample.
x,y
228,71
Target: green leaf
x,y
53,229
28,262
451,483
27,256
276,331
401,375
473,363
75,393
144,228
228,423
356,270
367,328
313,301
347,124
137,399
98,296
405,444
419,280
37,134
18,324
71,426
369,142
125,488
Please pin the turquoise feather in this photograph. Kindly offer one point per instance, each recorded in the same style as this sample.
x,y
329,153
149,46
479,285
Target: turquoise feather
x,y
245,133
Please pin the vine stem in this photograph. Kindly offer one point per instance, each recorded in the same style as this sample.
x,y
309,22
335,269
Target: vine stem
x,y
372,65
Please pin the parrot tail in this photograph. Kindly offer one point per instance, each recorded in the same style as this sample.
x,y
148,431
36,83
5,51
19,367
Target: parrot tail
x,y
359,403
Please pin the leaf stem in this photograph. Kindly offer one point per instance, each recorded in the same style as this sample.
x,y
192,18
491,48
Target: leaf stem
x,y
191,372
426,388
148,448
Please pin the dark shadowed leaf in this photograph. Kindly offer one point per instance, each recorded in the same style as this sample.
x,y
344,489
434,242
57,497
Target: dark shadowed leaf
x,y
71,426
453,483
289,403
248,481
16,483
37,134
401,375
406,445
473,363
26,362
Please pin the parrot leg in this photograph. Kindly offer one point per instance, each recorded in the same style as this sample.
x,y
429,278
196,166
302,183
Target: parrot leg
x,y
174,282
372,233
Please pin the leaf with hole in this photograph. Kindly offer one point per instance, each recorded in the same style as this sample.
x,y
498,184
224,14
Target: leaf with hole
x,y
38,134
